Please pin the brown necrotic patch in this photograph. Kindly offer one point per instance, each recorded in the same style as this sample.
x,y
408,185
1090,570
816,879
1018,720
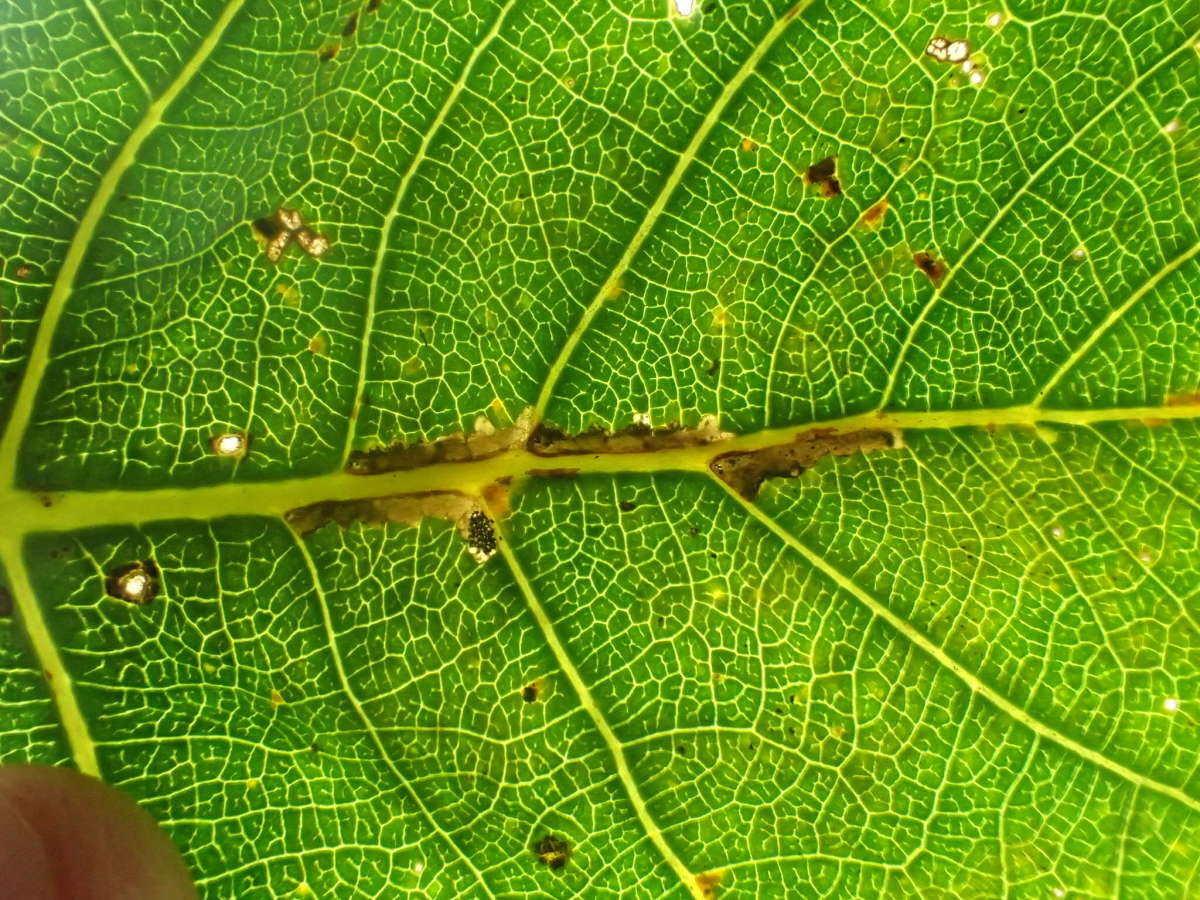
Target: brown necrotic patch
x,y
746,471
874,216
6,602
531,692
351,25
823,174
552,851
930,266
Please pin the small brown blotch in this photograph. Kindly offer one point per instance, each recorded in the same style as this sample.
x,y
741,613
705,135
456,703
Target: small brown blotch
x,y
319,345
930,266
23,271
46,500
748,145
325,54
135,582
836,732
823,174
531,692
707,882
6,602
276,700
627,506
496,497
552,851
351,25
373,5
874,216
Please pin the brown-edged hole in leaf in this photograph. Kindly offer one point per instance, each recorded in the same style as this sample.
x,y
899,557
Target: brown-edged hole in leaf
x,y
135,582
552,851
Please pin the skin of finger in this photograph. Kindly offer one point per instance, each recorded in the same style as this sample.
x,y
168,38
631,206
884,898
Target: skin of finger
x,y
76,838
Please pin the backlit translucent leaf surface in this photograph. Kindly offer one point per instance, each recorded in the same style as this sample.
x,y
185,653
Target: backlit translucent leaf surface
x,y
967,667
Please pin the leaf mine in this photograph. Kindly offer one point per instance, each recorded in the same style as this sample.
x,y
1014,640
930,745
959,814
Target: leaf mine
x,y
467,515
745,471
485,442
640,437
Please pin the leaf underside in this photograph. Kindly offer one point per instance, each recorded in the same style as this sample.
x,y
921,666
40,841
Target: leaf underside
x,y
961,663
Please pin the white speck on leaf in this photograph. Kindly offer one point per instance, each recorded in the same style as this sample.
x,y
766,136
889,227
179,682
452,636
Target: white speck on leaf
x,y
1058,532
684,7
231,444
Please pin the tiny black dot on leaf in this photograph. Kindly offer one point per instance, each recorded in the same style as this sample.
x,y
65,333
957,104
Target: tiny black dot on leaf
x,y
627,505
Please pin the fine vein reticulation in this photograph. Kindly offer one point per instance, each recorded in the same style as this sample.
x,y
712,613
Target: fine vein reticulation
x,y
944,642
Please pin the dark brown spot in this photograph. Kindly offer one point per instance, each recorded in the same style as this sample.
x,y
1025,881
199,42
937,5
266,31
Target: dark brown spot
x,y
373,5
714,368
325,54
824,175
23,271
552,851
6,602
930,266
269,228
351,25
627,506
531,692
46,500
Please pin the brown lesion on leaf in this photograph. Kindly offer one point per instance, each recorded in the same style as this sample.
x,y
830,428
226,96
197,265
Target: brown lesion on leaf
x,y
6,602
707,882
485,442
745,471
874,216
328,52
351,25
547,440
373,5
466,513
932,267
532,692
552,851
823,174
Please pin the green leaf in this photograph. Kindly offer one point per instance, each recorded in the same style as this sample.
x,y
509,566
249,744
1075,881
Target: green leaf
x,y
949,647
